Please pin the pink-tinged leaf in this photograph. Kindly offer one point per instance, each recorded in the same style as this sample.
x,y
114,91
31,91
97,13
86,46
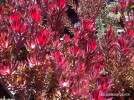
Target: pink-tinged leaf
x,y
93,75
5,70
99,58
58,57
64,83
33,61
89,25
31,45
110,99
5,40
54,6
82,68
129,25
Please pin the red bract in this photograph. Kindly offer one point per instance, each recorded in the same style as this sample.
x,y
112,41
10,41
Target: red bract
x,y
123,4
92,46
14,17
35,13
18,27
41,40
61,3
16,22
42,37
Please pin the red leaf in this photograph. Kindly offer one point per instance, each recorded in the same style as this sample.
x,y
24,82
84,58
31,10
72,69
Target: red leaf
x,y
14,17
89,25
92,46
0,10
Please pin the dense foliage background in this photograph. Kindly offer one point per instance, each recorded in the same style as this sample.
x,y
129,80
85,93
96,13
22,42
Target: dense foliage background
x,y
67,49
